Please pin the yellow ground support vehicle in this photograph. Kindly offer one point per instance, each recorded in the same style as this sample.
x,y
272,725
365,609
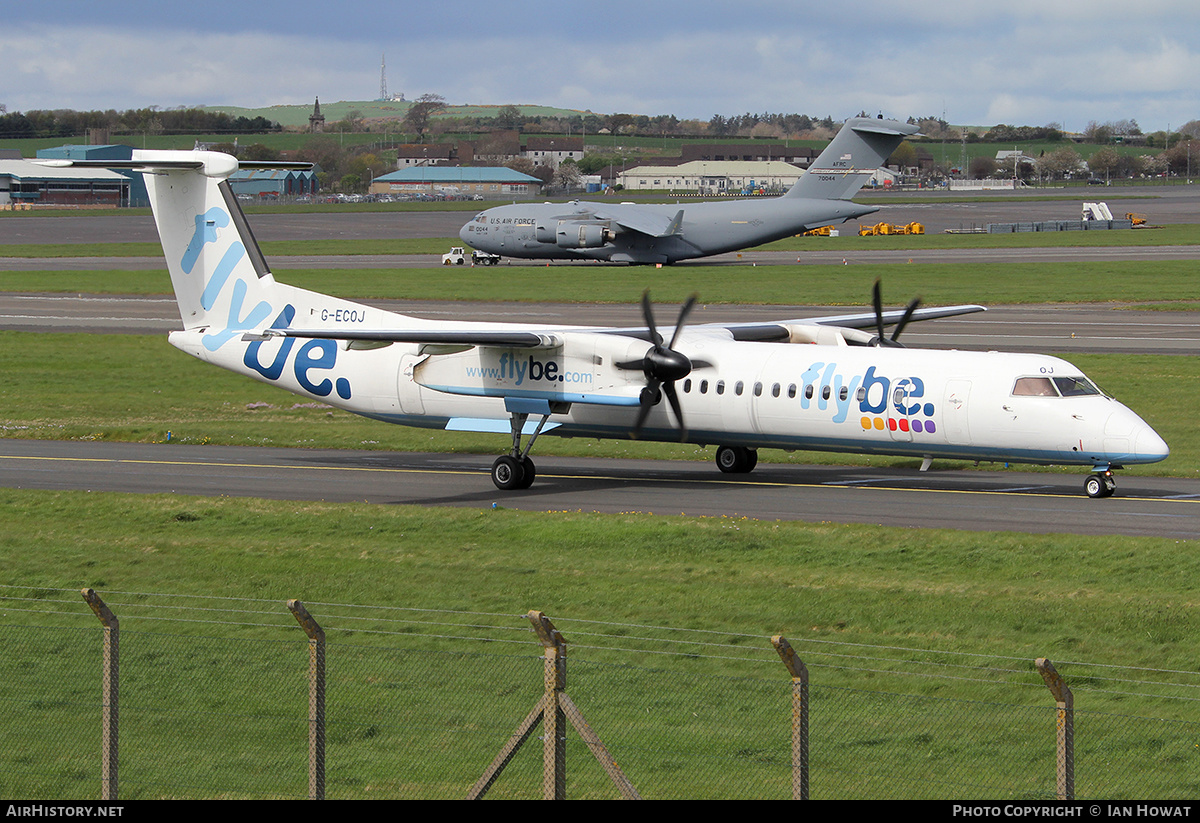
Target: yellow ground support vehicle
x,y
891,228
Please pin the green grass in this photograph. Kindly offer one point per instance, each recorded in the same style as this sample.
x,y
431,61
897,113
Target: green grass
x,y
270,248
1166,284
416,713
416,716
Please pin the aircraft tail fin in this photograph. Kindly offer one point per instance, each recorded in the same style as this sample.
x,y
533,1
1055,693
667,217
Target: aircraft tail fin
x,y
220,277
858,150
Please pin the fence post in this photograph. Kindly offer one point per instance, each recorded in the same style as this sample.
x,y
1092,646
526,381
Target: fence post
x,y
1065,701
799,674
553,711
110,726
554,725
316,699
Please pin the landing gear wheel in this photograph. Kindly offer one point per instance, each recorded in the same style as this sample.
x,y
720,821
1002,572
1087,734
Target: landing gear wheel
x,y
736,459
529,472
1097,486
508,473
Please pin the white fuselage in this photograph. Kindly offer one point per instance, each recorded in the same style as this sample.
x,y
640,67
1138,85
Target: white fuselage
x,y
896,401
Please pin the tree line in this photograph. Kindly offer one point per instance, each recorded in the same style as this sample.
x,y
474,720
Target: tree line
x,y
70,123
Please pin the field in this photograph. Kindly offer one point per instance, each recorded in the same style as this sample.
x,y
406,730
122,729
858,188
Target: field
x,y
1126,604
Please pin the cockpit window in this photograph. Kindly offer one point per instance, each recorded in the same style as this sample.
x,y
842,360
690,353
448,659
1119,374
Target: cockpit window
x,y
1034,387
1075,386
1054,387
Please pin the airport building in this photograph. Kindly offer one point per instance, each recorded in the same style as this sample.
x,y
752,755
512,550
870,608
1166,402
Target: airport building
x,y
273,183
24,183
487,182
713,177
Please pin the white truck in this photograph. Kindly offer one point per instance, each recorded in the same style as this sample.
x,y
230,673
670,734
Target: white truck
x,y
458,257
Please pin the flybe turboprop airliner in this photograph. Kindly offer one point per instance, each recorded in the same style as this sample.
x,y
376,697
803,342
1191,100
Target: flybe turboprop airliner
x,y
837,384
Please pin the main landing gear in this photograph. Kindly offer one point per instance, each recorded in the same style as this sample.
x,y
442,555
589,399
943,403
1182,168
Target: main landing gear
x,y
1100,484
515,470
736,459
509,472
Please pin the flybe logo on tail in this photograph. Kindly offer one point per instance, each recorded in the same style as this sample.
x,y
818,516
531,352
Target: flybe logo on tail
x,y
235,322
314,357
310,363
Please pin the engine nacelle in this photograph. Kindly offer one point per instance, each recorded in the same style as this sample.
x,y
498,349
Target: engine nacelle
x,y
582,235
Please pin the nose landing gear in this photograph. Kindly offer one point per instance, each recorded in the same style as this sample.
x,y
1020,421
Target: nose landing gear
x,y
1100,484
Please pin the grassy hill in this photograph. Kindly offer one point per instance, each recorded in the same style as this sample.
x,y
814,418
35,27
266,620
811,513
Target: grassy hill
x,y
297,116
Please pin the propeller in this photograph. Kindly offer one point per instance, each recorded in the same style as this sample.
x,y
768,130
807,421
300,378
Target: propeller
x,y
662,366
893,341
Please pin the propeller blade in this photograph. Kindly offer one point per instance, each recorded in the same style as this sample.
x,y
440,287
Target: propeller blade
x,y
683,313
648,316
908,313
877,301
673,399
650,396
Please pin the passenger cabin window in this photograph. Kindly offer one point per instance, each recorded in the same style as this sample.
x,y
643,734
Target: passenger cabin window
x,y
687,385
720,387
1034,387
704,387
758,389
738,387
791,391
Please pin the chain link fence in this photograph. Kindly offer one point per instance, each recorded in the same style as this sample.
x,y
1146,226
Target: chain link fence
x,y
215,698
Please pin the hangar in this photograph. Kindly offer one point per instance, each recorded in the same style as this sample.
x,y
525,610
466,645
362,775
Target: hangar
x,y
467,180
135,194
273,183
713,177
23,182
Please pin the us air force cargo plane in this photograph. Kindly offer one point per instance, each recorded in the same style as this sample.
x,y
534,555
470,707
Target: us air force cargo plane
x,y
633,233
834,383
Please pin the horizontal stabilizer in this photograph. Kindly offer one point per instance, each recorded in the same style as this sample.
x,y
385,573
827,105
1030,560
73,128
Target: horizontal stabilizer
x,y
208,163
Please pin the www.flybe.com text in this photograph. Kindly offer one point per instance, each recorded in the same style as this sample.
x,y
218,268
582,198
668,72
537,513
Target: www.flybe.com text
x,y
519,369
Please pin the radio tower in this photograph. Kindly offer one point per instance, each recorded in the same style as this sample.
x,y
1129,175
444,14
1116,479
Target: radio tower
x,y
383,95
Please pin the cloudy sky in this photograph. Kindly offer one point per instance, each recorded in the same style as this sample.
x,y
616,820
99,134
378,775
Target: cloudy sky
x,y
1022,62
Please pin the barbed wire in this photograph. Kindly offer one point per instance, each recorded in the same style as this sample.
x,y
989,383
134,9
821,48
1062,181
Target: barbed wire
x,y
901,658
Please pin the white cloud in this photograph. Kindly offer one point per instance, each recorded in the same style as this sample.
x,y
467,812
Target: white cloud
x,y
1026,63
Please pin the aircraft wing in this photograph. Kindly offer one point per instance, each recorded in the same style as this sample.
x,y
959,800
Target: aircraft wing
x,y
552,337
641,219
482,337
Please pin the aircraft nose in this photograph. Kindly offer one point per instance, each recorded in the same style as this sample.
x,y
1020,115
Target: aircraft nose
x,y
464,235
1150,447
